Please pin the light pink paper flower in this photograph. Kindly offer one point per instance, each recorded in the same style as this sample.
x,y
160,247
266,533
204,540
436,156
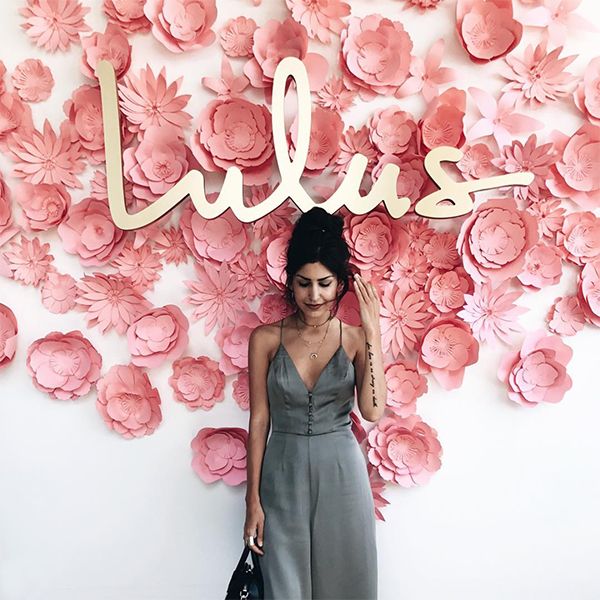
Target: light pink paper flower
x,y
15,115
446,349
423,5
59,293
542,267
28,260
141,265
377,483
538,372
64,365
405,451
565,317
442,123
549,216
90,232
404,385
587,95
486,28
197,382
127,14
447,290
7,228
112,45
228,85
410,270
355,141
44,157
241,391
539,76
579,237
8,334
127,402
235,132
33,80
319,17
172,246
392,130
334,95
492,314
220,453
181,25
110,302
440,250
419,232
54,24
375,55
147,99
233,340
411,178
237,36
44,205
157,335
493,240
476,162
250,272
588,291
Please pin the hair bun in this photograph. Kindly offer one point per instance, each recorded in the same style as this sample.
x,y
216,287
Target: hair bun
x,y
318,220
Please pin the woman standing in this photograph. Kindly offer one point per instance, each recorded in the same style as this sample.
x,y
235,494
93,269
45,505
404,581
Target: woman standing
x,y
308,496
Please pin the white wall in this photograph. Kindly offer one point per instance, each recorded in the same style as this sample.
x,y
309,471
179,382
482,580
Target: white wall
x,y
87,515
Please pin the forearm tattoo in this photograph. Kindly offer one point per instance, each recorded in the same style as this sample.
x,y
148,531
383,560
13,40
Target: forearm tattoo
x,y
370,356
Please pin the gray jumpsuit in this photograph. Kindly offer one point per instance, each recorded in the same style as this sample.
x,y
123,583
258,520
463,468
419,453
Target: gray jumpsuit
x,y
319,535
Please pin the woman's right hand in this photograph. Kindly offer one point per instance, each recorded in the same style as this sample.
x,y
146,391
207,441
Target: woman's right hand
x,y
254,525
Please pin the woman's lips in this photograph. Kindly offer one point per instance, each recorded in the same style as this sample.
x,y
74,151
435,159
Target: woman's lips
x,y
313,305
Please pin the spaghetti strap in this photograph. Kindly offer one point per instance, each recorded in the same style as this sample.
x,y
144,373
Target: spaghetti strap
x,y
281,331
340,332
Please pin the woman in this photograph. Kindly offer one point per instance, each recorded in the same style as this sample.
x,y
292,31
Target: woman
x,y
308,493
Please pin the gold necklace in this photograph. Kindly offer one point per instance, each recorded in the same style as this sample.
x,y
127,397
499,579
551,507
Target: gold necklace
x,y
313,354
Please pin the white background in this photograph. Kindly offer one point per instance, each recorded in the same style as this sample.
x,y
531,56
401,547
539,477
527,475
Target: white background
x,y
88,515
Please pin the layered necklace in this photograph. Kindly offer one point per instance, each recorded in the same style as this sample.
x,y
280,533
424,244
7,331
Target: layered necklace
x,y
314,354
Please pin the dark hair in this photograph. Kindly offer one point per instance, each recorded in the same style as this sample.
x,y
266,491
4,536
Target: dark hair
x,y
317,237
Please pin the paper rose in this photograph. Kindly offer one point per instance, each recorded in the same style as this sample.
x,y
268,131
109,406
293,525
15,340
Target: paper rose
x,y
411,178
220,453
405,451
588,291
181,25
447,289
542,267
64,365
566,316
112,45
59,293
404,385
319,17
375,55
538,372
90,232
33,80
129,16
447,347
494,239
579,237
392,130
197,382
44,205
587,95
235,133
157,335
127,402
14,115
486,28
8,334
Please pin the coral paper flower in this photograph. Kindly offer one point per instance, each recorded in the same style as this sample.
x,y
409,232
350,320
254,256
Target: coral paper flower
x,y
64,365
28,260
538,372
579,237
157,335
587,95
127,402
588,291
59,293
8,334
404,385
15,115
197,382
405,451
566,316
542,267
220,453
335,95
33,80
54,24
319,17
112,45
129,16
44,205
237,36
392,130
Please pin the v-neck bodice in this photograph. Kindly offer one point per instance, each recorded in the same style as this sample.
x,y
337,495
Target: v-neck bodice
x,y
326,407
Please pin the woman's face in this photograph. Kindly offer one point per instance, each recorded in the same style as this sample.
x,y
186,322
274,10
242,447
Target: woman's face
x,y
315,284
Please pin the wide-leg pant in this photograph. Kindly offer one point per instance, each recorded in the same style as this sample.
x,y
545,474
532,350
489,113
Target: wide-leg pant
x,y
319,536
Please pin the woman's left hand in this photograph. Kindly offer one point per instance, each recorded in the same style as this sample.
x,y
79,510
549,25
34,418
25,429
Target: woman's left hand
x,y
368,301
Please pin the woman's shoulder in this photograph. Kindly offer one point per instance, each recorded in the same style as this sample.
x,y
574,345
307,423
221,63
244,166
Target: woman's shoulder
x,y
266,337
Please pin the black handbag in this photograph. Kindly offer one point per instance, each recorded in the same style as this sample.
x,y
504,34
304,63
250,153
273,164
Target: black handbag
x,y
247,581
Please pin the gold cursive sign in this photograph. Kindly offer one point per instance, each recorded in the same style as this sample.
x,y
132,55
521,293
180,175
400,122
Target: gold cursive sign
x,y
434,205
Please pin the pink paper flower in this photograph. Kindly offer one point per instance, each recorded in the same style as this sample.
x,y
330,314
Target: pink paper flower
x,y
493,240
237,36
446,349
45,157
241,391
129,16
538,372
147,99
8,334
542,267
587,95
109,301
59,293
375,55
447,290
127,402
112,45
579,237
44,205
335,96
228,85
412,177
64,365
7,228
549,216
404,385
234,338
492,314
392,130
377,483
418,231
410,270
235,132
423,5
355,141
405,451
33,80
442,123
319,17
197,382
476,162
181,25
566,317
440,250
157,335
486,28
539,76
220,453
54,24
90,232
588,291
15,115
28,260
141,265
172,246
